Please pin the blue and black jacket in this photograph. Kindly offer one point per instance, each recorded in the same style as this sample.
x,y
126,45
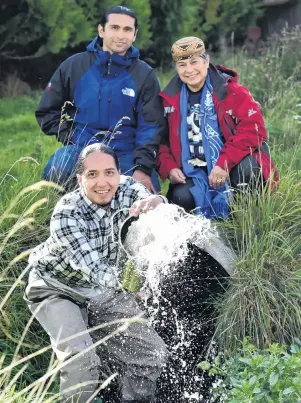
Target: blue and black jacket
x,y
112,99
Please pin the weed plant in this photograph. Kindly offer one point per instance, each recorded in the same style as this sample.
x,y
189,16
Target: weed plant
x,y
258,375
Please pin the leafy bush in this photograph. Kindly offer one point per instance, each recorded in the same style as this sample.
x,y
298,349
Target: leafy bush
x,y
265,376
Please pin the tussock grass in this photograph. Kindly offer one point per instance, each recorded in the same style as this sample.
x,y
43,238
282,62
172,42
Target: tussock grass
x,y
263,300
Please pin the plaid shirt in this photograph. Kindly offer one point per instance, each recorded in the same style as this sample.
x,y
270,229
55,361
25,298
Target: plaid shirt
x,y
82,249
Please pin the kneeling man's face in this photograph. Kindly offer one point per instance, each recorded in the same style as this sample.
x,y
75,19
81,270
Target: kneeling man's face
x,y
100,179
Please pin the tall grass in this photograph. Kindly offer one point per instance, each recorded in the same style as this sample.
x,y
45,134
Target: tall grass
x,y
24,149
263,300
14,316
28,370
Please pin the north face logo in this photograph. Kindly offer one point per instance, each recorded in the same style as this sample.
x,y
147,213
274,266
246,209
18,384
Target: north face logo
x,y
129,92
168,109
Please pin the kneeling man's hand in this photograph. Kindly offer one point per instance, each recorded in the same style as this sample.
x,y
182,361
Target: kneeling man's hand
x,y
142,206
218,177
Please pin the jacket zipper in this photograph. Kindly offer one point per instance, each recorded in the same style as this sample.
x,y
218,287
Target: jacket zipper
x,y
228,126
109,66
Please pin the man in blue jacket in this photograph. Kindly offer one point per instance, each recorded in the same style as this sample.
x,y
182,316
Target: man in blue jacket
x,y
105,94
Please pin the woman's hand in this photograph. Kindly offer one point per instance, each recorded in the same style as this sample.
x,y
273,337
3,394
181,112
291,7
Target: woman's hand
x,y
218,177
176,176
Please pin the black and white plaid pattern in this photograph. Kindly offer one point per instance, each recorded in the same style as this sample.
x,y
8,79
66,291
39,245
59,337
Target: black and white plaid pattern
x,y
81,250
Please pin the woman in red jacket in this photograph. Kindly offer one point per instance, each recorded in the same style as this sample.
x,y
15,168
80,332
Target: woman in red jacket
x,y
216,137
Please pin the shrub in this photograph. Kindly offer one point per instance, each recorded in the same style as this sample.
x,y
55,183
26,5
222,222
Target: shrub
x,y
252,375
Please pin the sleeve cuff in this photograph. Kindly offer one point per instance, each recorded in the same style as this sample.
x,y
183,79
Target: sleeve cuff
x,y
165,201
147,171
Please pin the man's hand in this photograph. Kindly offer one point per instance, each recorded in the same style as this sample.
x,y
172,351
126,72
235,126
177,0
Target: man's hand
x,y
150,203
176,176
218,177
141,177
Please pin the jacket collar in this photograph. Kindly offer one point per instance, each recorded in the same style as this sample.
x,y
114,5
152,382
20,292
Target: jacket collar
x,y
219,83
103,56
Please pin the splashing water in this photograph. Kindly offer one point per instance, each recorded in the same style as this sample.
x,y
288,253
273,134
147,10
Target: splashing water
x,y
159,240
159,244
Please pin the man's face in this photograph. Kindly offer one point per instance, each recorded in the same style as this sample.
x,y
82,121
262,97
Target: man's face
x,y
118,34
100,178
193,71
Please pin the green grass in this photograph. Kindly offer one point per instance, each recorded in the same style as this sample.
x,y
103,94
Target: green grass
x,y
262,299
21,137
24,149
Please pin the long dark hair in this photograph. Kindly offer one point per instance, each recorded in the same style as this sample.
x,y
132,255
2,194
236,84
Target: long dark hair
x,y
93,148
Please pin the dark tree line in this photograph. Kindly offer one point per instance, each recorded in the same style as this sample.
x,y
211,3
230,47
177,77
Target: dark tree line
x,y
32,31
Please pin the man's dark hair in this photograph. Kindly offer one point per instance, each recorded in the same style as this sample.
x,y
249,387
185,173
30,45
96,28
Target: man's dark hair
x,y
118,10
93,148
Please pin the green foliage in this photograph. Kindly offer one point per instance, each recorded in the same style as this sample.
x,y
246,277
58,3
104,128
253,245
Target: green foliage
x,y
265,227
24,149
35,28
252,375
190,11
142,9
165,24
222,17
42,26
206,19
45,26
274,81
169,23
20,230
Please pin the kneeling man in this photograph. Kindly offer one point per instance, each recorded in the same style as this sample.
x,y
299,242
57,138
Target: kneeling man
x,y
74,281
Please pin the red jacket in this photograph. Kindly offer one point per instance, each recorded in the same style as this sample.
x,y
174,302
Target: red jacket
x,y
240,121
